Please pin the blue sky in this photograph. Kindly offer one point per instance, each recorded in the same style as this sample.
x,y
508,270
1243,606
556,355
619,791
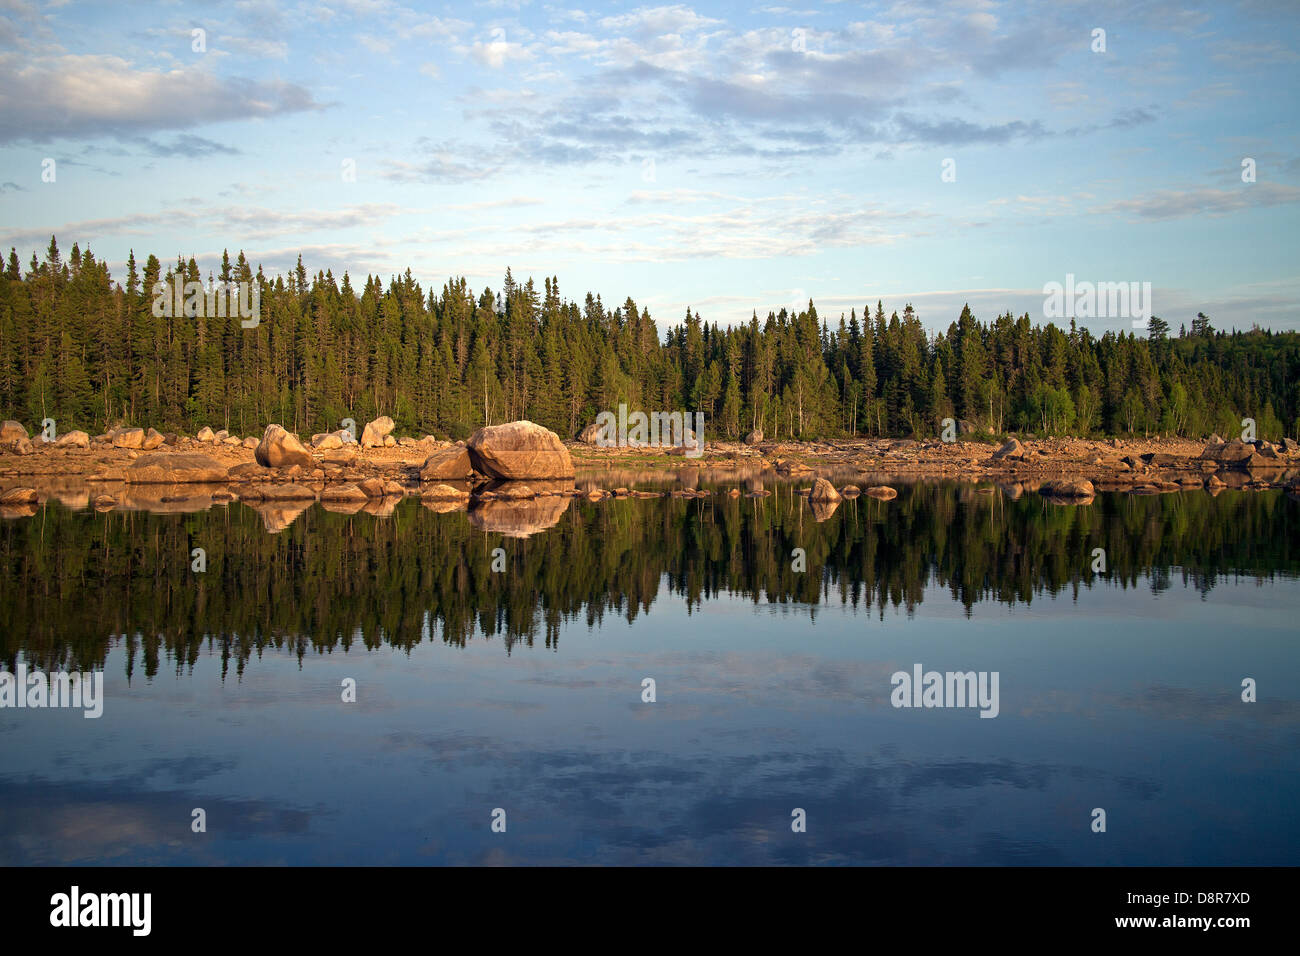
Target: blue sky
x,y
723,156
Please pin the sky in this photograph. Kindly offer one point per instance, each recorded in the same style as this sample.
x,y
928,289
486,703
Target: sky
x,y
723,157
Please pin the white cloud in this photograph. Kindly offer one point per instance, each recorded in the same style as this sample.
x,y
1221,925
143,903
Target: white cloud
x,y
88,95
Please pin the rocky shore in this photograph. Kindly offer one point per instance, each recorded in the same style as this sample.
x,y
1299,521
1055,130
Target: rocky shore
x,y
507,465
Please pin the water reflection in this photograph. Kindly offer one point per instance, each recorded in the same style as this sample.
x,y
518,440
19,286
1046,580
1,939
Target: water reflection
x,y
392,571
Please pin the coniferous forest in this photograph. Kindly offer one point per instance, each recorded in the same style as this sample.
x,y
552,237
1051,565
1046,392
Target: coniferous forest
x,y
86,349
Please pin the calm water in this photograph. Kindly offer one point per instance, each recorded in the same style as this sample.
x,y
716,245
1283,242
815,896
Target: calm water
x,y
522,689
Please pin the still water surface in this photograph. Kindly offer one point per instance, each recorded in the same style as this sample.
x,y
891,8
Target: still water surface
x,y
522,689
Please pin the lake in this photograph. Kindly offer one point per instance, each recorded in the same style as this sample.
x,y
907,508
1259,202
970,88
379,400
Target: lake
x,y
499,664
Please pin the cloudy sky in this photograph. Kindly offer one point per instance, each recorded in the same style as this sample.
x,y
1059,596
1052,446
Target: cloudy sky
x,y
722,156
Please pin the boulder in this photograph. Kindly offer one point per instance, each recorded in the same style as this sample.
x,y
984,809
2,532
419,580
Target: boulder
x,y
883,492
755,437
823,490
21,446
375,432
152,439
340,456
12,431
279,449
447,464
250,442
591,434
1067,488
73,440
205,434
519,451
221,436
128,438
348,492
1233,454
373,487
1162,460
516,491
444,493
289,492
1012,451
163,468
390,441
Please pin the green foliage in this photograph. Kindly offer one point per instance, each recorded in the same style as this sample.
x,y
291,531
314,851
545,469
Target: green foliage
x,y
90,353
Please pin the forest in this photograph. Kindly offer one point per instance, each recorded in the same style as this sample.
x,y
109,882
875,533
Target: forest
x,y
87,350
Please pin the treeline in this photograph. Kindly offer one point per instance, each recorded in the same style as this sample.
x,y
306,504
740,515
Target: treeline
x,y
81,348
74,585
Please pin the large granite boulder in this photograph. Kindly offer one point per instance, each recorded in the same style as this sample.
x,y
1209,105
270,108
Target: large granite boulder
x,y
375,432
279,449
591,434
12,431
519,451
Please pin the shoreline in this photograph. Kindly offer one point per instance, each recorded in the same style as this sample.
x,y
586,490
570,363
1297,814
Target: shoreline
x,y
1135,465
